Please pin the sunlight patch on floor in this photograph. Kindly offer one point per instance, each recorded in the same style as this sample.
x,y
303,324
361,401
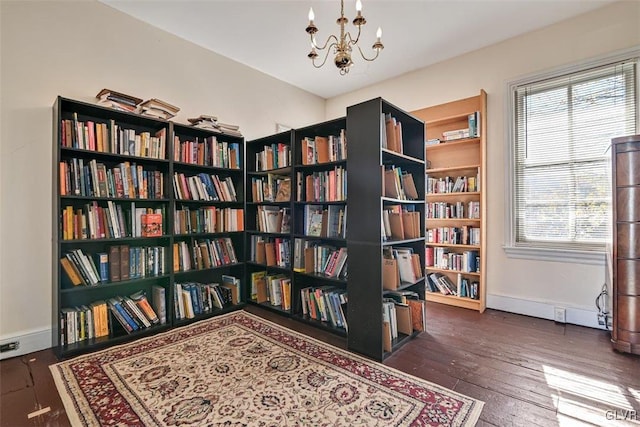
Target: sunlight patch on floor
x,y
582,400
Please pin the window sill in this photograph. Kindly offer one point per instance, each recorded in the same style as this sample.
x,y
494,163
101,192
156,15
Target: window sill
x,y
556,255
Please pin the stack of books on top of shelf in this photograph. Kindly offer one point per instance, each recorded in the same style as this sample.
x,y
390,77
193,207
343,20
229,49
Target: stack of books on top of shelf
x,y
118,100
158,109
211,123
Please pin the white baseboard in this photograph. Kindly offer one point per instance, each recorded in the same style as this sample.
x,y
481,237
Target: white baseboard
x,y
575,316
28,343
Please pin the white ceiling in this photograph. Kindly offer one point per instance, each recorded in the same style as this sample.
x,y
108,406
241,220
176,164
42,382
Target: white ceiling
x,y
269,35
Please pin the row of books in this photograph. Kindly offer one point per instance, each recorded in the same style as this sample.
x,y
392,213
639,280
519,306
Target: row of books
x,y
463,235
400,223
400,266
124,180
204,187
274,289
122,262
134,313
203,254
95,320
324,186
443,258
274,156
207,219
273,219
111,222
326,304
271,251
399,184
325,221
391,131
315,258
324,149
110,137
401,318
192,299
464,287
447,184
271,188
207,152
458,210
472,130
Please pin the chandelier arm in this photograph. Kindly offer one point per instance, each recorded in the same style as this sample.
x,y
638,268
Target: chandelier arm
x,y
351,40
326,43
364,57
326,55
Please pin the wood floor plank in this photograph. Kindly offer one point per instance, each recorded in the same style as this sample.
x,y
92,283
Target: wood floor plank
x,y
502,410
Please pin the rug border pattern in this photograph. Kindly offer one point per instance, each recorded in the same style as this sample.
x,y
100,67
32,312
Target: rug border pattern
x,y
397,381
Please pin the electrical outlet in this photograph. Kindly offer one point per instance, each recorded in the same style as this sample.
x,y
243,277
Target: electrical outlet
x,y
10,346
560,315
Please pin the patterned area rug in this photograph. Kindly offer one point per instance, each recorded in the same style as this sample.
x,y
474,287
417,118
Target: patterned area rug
x,y
241,370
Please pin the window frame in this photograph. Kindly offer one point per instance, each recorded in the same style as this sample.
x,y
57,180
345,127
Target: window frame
x,y
541,252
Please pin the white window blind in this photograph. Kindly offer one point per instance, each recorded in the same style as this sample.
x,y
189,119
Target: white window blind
x,y
563,128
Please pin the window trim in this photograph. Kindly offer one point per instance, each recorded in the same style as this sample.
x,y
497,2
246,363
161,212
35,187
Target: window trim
x,y
539,252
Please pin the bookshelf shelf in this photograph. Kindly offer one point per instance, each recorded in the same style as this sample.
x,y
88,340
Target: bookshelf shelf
x,y
453,300
452,119
398,158
474,194
104,285
451,162
453,245
110,156
323,277
444,270
268,267
279,171
322,325
328,239
320,166
335,202
454,143
82,177
453,169
400,201
402,242
454,220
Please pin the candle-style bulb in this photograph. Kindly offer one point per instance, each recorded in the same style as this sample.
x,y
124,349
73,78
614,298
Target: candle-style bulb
x,y
359,6
379,33
311,15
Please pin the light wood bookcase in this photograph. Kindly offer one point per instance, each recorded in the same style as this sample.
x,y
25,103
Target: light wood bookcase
x,y
460,157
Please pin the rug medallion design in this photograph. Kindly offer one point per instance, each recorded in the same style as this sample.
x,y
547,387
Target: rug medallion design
x,y
241,370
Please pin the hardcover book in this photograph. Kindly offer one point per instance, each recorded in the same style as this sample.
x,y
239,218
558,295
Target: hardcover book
x,y
151,225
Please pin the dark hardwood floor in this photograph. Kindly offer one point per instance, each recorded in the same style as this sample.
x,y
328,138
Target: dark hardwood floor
x,y
528,371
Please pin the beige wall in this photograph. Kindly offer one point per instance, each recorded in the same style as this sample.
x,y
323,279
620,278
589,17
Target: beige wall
x,y
597,33
74,49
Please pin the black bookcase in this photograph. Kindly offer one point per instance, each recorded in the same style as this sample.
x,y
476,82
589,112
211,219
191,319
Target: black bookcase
x,y
269,163
320,187
154,256
367,161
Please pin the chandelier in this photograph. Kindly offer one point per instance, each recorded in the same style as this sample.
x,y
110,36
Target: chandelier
x,y
342,46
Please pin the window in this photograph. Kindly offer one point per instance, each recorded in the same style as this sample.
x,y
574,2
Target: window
x,y
562,128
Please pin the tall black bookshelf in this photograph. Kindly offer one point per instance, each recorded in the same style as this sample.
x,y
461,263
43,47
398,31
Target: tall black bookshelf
x,y
368,159
85,185
269,185
320,171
